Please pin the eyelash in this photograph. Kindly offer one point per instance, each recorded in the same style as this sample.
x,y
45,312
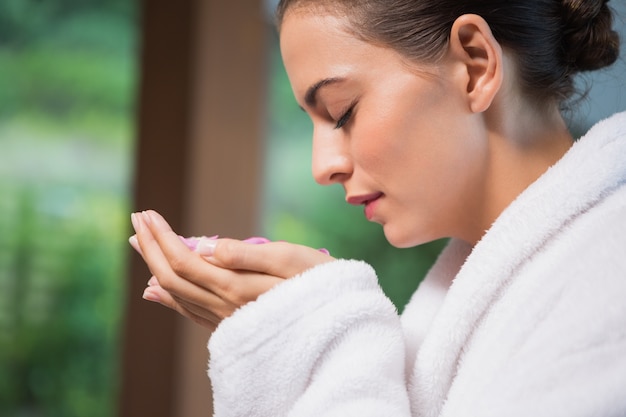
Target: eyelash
x,y
345,117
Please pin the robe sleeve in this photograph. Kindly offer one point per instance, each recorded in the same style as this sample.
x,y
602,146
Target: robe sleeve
x,y
325,343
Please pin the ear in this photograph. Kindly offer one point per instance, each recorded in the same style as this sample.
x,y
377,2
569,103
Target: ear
x,y
479,55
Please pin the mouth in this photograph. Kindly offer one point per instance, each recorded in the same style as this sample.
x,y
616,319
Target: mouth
x,y
368,201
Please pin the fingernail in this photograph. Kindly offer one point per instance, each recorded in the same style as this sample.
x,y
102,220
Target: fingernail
x,y
157,220
134,243
150,295
136,221
146,217
206,246
153,281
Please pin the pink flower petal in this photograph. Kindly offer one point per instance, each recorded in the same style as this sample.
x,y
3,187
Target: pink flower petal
x,y
192,241
257,240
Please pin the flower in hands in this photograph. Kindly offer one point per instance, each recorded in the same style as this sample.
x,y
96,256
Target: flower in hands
x,y
205,278
204,244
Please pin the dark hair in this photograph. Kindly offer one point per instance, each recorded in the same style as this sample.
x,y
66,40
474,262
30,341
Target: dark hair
x,y
552,39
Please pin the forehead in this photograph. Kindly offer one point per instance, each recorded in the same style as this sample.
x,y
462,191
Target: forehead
x,y
319,46
307,37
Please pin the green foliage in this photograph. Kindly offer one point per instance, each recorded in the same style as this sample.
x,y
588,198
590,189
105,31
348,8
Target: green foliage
x,y
61,302
49,88
76,71
23,22
66,98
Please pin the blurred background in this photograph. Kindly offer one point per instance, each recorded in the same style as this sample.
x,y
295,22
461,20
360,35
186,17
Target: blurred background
x,y
109,106
67,88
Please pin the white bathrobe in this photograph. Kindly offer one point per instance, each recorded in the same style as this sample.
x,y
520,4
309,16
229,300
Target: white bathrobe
x,y
530,322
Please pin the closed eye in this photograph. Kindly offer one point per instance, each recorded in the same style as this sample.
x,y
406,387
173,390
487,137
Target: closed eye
x,y
345,117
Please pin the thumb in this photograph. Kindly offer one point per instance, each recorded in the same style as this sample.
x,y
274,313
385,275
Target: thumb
x,y
280,259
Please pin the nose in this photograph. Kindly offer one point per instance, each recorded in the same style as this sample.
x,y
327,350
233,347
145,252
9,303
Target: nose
x,y
331,162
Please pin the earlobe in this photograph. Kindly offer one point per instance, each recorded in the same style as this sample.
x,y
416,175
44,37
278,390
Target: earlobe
x,y
480,55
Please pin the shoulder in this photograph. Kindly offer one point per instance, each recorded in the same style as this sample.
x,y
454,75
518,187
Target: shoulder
x,y
555,336
595,240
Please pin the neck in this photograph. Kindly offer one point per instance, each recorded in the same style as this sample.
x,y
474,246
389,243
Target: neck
x,y
522,149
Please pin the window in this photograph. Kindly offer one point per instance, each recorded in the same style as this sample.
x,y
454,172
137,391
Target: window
x,y
67,78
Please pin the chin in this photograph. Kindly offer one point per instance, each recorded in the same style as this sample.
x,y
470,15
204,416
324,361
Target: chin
x,y
403,239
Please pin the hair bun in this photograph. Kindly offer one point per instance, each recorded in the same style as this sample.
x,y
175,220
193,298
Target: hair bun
x,y
589,41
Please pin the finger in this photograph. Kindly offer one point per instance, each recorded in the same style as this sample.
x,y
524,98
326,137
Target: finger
x,y
240,287
280,259
159,295
169,260
153,281
187,276
202,313
219,311
176,260
134,243
196,313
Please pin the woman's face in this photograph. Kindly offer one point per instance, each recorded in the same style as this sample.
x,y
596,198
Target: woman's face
x,y
399,138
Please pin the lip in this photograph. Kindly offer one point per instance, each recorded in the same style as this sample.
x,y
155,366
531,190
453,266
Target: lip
x,y
363,199
368,200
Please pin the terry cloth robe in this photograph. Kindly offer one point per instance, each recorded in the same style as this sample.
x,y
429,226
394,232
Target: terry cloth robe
x,y
530,322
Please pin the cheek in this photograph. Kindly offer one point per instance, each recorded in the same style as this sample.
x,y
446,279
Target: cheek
x,y
403,123
417,143
381,142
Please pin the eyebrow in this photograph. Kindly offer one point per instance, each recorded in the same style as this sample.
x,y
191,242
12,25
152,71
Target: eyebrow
x,y
310,98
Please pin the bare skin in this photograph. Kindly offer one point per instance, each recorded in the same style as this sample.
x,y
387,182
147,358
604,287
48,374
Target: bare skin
x,y
448,146
430,150
207,289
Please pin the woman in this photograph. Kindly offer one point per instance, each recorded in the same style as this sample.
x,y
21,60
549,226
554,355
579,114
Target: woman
x,y
442,118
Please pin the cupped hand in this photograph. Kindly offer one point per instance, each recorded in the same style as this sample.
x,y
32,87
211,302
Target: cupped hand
x,y
208,284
